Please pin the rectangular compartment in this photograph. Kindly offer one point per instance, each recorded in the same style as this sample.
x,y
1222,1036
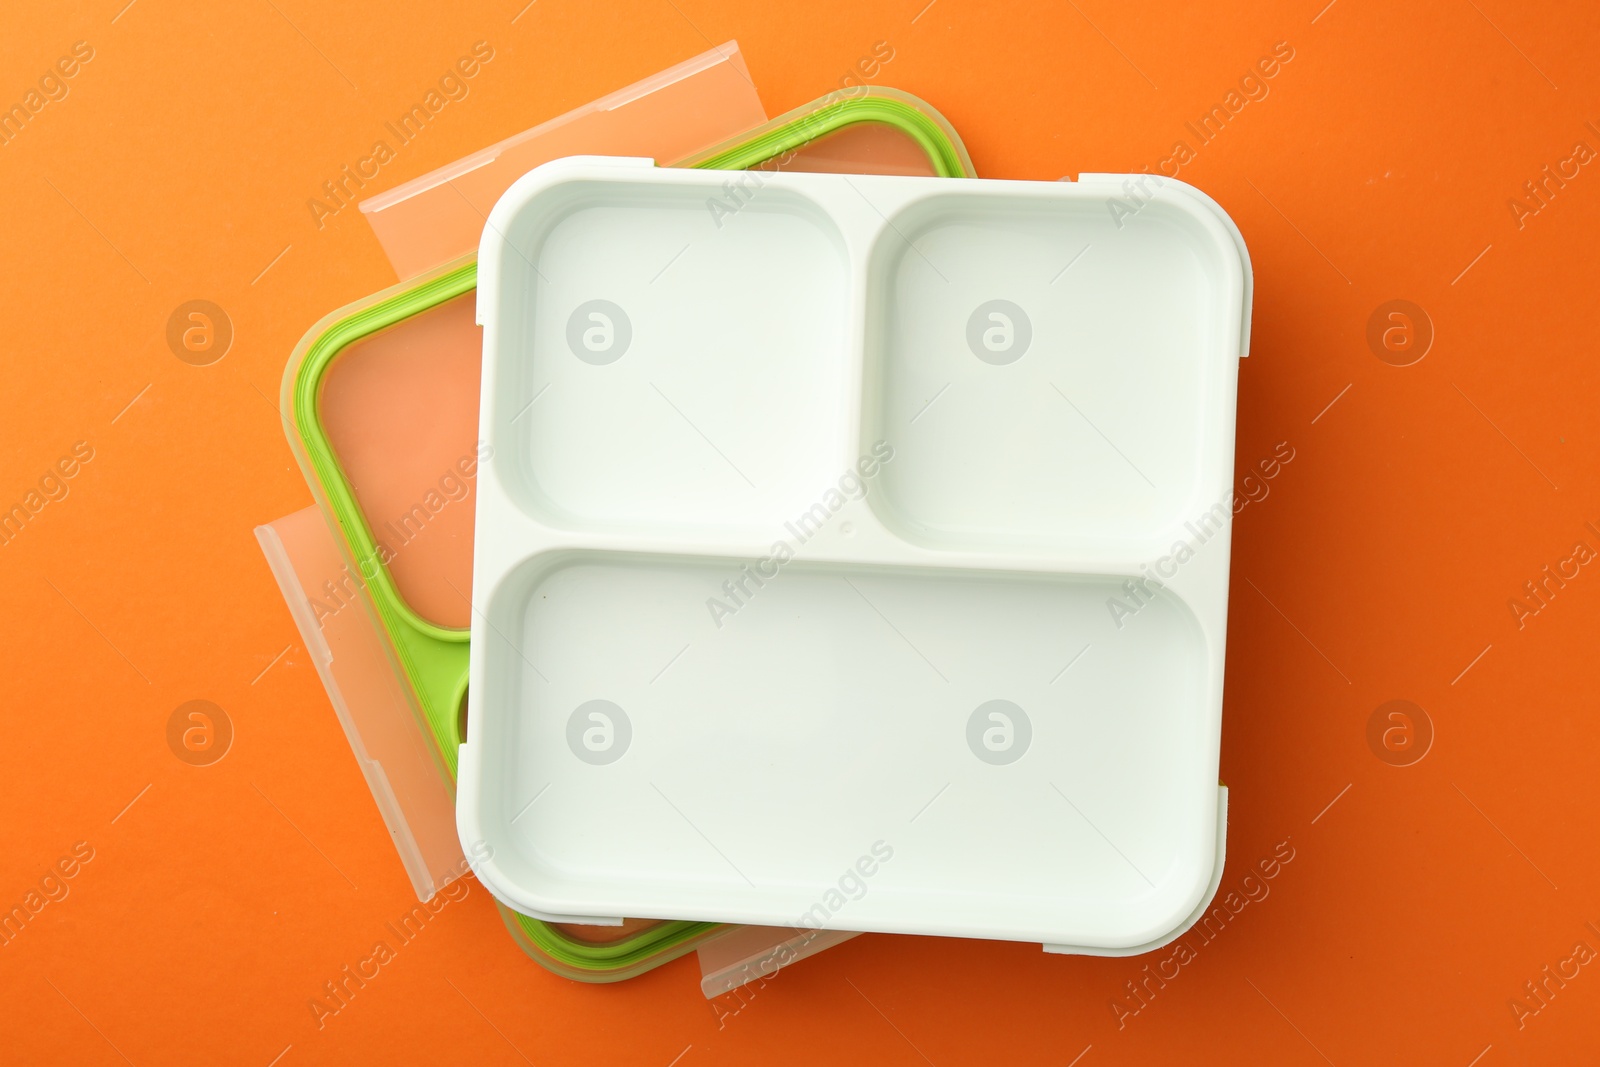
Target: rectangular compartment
x,y
992,733
770,692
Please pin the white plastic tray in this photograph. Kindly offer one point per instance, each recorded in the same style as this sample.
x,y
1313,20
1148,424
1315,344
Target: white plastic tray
x,y
983,698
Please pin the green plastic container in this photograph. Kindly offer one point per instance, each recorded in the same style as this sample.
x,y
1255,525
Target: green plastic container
x,y
872,129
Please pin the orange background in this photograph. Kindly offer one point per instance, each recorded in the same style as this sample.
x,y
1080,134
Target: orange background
x,y
1378,167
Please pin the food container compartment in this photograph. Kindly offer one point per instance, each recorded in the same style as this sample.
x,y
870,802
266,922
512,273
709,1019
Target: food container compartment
x,y
735,637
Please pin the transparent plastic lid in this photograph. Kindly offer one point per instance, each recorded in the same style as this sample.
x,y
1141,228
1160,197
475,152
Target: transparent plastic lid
x,y
439,216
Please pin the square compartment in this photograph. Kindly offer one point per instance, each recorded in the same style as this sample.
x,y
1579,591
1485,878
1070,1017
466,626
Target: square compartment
x,y
671,365
1046,370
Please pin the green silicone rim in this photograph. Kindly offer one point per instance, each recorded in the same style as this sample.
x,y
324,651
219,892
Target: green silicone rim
x,y
885,107
434,658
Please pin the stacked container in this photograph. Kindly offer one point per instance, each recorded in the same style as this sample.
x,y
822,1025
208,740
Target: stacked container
x,y
381,399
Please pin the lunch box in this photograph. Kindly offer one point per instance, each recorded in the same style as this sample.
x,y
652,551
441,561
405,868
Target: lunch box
x,y
852,551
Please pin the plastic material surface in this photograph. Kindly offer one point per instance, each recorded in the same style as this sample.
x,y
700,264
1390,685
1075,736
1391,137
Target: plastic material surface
x,y
438,216
824,589
352,658
741,954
